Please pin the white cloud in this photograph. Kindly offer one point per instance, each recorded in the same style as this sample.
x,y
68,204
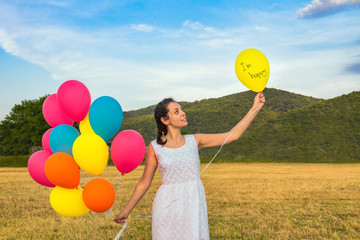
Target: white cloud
x,y
325,7
57,3
7,43
192,25
141,27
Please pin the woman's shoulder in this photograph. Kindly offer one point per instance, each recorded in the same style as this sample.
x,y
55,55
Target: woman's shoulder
x,y
196,137
155,145
153,142
190,137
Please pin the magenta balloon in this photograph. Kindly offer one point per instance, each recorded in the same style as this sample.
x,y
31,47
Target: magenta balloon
x,y
36,166
45,140
53,114
127,150
74,99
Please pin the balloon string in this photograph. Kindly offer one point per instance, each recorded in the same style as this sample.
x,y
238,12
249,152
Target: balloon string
x,y
107,169
82,181
121,231
88,177
142,216
126,221
232,131
117,191
85,179
108,212
217,152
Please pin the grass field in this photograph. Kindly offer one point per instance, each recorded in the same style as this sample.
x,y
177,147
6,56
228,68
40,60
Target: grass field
x,y
245,201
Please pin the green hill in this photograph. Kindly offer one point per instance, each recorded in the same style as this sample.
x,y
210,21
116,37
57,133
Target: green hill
x,y
290,127
219,114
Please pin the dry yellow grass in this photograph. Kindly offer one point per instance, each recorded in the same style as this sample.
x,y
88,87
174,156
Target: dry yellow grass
x,y
245,201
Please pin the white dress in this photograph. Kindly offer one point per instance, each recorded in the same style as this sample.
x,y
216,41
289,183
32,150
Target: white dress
x,y
179,208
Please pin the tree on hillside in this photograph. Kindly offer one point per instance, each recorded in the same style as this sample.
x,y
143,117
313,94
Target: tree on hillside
x,y
23,128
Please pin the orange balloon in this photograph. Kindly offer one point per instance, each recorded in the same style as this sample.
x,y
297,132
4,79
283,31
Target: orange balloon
x,y
99,195
62,170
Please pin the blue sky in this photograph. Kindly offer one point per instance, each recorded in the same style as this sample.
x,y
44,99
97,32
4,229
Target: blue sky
x,y
142,51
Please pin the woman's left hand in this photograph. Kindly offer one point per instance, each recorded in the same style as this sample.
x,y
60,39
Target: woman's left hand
x,y
121,217
259,100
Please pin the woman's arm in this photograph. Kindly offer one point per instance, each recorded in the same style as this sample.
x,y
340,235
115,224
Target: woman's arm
x,y
142,186
213,140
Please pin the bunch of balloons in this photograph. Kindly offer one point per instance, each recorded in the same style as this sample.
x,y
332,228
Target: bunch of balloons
x,y
66,150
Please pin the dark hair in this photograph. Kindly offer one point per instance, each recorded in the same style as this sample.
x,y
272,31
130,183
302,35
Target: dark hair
x,y
161,110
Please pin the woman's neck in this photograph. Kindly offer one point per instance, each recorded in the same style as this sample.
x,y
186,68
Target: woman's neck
x,y
174,136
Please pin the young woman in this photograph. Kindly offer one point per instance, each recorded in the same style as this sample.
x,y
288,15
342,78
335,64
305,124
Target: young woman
x,y
179,207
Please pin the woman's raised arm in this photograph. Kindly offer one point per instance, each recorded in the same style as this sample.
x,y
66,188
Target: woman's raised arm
x,y
213,140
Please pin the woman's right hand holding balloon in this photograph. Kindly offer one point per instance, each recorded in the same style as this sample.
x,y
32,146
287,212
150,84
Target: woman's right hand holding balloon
x,y
259,100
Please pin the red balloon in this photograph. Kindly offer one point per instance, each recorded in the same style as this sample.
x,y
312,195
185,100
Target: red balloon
x,y
45,140
36,165
74,99
62,170
53,114
127,150
99,195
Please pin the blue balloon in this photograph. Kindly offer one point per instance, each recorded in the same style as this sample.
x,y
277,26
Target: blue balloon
x,y
62,138
105,117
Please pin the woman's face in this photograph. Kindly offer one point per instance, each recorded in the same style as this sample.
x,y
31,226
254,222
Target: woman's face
x,y
176,116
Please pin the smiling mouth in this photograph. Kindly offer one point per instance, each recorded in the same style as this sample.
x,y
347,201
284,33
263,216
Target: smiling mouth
x,y
185,120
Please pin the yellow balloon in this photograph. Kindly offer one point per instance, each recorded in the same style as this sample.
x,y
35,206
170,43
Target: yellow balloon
x,y
91,153
85,126
68,202
252,69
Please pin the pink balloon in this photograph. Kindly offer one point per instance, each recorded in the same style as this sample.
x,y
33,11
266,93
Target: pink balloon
x,y
127,150
74,99
36,166
45,140
53,114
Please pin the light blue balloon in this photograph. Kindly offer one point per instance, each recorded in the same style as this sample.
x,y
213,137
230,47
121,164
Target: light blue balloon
x,y
105,117
62,138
